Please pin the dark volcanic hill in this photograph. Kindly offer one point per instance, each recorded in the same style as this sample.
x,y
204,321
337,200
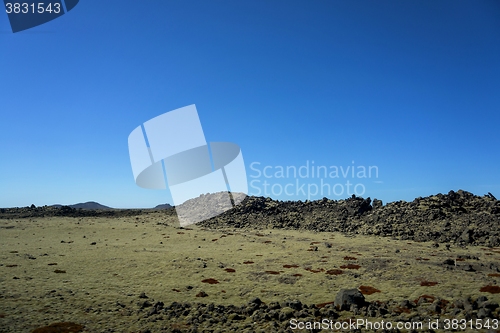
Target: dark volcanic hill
x,y
163,206
87,205
458,217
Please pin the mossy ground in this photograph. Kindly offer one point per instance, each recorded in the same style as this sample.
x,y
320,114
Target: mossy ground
x,y
104,264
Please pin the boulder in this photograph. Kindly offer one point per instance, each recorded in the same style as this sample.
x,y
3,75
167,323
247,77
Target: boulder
x,y
347,297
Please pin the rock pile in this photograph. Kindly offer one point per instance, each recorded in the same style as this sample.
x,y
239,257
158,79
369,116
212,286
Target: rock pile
x,y
258,316
66,211
459,217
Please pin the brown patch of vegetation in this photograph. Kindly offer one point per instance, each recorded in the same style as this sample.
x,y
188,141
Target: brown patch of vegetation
x,y
460,259
490,289
59,271
290,266
367,290
494,274
230,270
214,240
259,235
267,242
176,290
13,265
248,262
425,283
350,266
60,328
272,272
2,315
210,281
350,258
315,270
180,233
334,271
322,305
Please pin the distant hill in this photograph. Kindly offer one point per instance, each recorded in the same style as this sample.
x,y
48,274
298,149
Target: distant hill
x,y
86,205
164,206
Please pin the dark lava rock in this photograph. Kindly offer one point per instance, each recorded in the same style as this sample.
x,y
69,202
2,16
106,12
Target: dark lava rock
x,y
346,297
484,313
449,262
255,301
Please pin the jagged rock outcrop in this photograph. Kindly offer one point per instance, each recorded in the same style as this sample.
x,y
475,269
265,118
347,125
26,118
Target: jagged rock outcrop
x,y
458,217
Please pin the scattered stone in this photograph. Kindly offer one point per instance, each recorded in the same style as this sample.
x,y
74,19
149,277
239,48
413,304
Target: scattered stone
x,y
449,262
255,301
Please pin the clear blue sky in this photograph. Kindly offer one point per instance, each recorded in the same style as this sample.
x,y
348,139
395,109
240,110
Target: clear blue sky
x,y
412,87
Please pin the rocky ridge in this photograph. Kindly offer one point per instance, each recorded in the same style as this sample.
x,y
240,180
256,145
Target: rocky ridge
x,y
457,217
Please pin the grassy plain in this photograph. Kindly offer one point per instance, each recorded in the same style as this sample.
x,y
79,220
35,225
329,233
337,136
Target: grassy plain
x,y
92,270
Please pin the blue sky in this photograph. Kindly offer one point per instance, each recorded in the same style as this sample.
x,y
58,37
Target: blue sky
x,y
411,87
